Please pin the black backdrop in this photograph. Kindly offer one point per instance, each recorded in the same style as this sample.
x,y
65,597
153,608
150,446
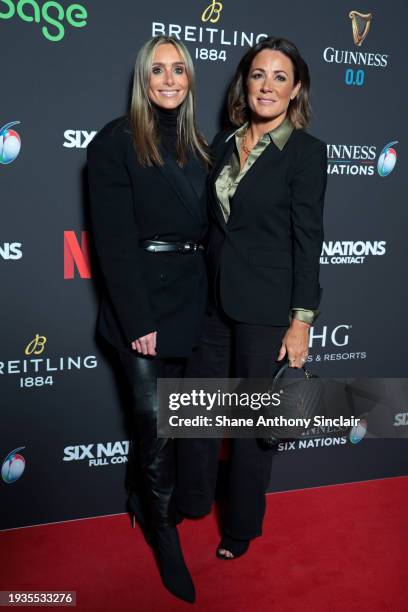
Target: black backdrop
x,y
65,73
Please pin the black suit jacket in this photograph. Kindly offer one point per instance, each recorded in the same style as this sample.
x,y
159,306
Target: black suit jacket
x,y
146,292
267,254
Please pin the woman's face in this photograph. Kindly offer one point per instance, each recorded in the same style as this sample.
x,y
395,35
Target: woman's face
x,y
168,83
270,85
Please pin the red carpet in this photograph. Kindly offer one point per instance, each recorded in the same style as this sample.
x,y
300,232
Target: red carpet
x,y
338,548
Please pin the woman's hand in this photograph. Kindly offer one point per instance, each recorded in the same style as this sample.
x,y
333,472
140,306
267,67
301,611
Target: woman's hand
x,y
296,344
146,345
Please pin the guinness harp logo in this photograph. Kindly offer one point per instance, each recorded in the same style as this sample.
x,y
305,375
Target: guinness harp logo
x,y
360,24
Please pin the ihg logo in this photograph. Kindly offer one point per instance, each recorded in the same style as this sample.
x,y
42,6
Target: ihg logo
x,y
51,14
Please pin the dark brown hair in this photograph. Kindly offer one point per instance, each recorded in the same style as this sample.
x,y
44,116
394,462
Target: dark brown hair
x,y
299,108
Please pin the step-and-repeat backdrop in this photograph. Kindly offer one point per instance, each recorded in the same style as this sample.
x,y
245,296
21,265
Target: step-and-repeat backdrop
x,y
66,71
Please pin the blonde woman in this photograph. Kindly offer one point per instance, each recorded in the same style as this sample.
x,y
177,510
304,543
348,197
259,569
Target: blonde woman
x,y
146,175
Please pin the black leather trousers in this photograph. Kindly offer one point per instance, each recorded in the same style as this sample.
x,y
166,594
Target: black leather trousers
x,y
150,473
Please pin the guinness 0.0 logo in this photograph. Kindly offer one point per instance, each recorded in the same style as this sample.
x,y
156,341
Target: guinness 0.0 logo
x,y
357,62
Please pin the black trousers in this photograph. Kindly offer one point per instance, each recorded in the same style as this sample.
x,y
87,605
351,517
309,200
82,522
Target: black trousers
x,y
241,350
150,475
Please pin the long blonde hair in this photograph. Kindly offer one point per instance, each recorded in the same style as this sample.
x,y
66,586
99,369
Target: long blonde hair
x,y
146,138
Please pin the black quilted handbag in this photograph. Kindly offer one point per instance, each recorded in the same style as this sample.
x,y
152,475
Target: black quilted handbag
x,y
301,397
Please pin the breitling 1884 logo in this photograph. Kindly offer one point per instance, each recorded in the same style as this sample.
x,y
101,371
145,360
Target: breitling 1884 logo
x,y
212,42
35,370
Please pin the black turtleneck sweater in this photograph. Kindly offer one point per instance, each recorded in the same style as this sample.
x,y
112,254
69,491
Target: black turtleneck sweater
x,y
167,127
167,124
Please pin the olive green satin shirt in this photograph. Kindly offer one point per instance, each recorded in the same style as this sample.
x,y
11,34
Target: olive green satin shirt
x,y
231,174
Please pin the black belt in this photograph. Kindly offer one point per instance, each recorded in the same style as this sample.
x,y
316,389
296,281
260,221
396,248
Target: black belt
x,y
162,246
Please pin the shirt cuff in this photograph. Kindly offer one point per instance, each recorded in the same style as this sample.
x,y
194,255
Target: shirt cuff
x,y
302,314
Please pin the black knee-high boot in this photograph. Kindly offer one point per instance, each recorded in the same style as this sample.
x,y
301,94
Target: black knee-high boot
x,y
154,459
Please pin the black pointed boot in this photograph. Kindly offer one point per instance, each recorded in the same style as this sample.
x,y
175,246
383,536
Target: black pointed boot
x,y
160,471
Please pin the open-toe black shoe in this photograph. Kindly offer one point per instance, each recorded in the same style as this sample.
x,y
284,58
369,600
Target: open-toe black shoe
x,y
236,547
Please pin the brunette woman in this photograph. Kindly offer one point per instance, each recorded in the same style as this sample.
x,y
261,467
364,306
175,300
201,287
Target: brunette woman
x,y
266,193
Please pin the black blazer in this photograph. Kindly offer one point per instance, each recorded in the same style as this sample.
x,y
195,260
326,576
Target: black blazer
x,y
267,255
146,292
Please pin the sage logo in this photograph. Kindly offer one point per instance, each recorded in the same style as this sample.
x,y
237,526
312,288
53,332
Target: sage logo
x,y
50,16
10,143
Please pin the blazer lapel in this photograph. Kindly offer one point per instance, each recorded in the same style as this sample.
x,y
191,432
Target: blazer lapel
x,y
262,166
181,185
195,174
222,160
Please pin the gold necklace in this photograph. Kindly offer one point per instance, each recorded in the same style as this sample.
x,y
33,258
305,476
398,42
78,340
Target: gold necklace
x,y
243,144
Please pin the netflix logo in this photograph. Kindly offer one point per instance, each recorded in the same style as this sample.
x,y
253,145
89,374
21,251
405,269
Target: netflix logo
x,y
76,255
